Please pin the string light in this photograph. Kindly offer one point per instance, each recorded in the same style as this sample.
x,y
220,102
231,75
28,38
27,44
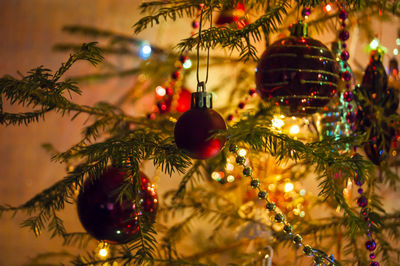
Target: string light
x,y
295,129
103,252
187,64
374,44
395,51
242,152
277,123
328,8
145,51
161,91
289,187
230,178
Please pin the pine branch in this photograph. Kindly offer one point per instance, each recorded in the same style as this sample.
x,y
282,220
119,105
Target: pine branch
x,y
240,40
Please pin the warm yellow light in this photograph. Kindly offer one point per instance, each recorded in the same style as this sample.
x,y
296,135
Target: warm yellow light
x,y
103,252
295,129
277,123
229,167
271,187
302,214
242,152
216,176
230,178
288,187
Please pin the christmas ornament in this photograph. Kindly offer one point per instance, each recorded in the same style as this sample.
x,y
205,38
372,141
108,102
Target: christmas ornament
x,y
375,103
104,217
298,72
183,102
235,15
195,127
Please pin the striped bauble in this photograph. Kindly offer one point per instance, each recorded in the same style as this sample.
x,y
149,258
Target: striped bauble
x,y
298,72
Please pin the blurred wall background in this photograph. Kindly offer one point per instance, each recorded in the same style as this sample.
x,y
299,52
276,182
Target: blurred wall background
x,y
28,30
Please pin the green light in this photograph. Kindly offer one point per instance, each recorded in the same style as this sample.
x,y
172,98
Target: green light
x,y
398,41
187,64
395,51
374,44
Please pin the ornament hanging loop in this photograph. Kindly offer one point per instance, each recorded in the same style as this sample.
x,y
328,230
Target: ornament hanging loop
x,y
198,48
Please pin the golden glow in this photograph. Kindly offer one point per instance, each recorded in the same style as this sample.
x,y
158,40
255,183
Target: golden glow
x,y
289,187
272,187
216,176
103,252
242,152
230,178
229,167
277,123
295,129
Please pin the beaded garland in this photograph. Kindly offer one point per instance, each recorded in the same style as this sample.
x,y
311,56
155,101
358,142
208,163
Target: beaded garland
x,y
319,257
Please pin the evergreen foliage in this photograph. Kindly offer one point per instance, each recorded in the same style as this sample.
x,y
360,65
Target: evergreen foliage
x,y
107,140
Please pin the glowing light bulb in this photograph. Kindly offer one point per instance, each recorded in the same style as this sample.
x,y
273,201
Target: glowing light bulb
x,y
242,152
103,252
295,129
398,41
395,51
328,8
161,91
229,167
230,178
187,64
289,187
277,123
302,214
374,44
302,192
216,176
145,51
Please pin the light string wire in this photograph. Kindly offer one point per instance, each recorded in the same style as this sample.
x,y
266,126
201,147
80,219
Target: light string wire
x,y
198,50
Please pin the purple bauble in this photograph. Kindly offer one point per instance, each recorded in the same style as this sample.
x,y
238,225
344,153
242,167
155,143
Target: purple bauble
x,y
370,245
346,76
344,35
348,96
298,72
374,263
343,15
104,217
362,201
372,256
344,55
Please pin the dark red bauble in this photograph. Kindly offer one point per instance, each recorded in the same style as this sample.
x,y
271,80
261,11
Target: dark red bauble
x,y
298,72
375,81
377,149
111,221
235,15
183,103
194,129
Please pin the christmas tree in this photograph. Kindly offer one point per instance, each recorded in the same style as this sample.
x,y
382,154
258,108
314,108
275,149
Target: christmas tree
x,y
277,149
